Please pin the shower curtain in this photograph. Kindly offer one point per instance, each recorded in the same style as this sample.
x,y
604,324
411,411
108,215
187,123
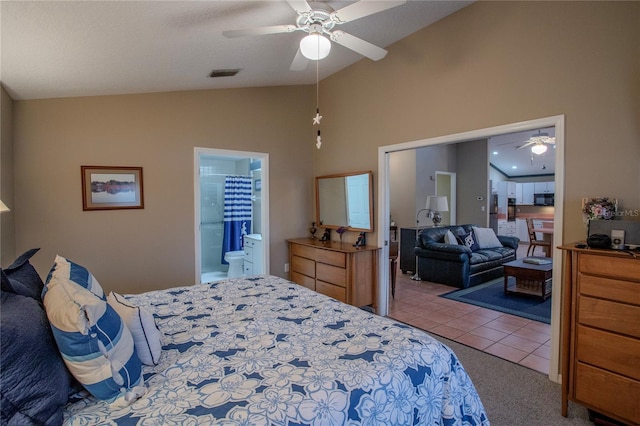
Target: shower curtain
x,y
237,212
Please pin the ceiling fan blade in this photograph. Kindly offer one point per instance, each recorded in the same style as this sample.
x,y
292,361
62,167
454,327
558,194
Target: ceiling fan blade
x,y
299,62
299,5
361,9
276,29
359,45
525,144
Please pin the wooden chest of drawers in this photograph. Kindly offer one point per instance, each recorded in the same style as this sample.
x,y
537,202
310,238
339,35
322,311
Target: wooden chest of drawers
x,y
335,269
601,332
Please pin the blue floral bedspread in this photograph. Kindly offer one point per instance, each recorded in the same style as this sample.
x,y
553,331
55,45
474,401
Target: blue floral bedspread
x,y
265,351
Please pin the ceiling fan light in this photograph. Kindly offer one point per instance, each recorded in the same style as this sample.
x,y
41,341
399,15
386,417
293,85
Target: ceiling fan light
x,y
539,148
315,46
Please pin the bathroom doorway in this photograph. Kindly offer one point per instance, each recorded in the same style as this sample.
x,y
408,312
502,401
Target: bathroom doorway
x,y
218,235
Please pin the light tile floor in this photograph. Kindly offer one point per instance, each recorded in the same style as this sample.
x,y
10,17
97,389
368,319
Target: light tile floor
x,y
510,337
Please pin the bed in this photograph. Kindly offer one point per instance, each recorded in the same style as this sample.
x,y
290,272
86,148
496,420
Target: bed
x,y
245,351
263,350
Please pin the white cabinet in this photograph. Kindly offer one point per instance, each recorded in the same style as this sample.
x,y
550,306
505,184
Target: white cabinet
x,y
511,189
519,193
253,254
507,228
544,187
528,189
506,189
522,231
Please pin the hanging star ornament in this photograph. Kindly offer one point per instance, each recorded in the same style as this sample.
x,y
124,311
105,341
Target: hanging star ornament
x,y
318,140
317,118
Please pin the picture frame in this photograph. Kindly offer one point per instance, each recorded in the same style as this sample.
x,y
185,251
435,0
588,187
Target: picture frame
x,y
111,188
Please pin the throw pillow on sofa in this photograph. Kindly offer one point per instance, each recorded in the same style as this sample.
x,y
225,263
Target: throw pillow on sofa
x,y
449,238
486,238
469,241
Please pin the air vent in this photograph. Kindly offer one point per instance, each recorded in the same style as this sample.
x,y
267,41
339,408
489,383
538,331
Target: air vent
x,y
224,73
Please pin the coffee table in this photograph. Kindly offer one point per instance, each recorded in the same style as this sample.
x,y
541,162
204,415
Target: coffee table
x,y
528,278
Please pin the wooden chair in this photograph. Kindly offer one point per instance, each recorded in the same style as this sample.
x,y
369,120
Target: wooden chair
x,y
533,241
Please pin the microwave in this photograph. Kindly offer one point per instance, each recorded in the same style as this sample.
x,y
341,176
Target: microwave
x,y
545,199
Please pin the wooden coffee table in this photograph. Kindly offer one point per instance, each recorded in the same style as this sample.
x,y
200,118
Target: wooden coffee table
x,y
527,278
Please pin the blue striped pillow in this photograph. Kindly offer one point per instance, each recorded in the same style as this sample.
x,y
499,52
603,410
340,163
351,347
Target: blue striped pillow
x,y
66,269
95,344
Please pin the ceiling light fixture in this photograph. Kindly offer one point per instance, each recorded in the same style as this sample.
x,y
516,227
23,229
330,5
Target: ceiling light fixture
x,y
539,148
315,46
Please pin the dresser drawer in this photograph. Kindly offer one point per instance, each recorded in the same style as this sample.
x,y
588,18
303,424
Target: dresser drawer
x,y
303,280
303,266
334,258
614,267
609,351
612,316
331,274
607,288
339,293
608,393
303,251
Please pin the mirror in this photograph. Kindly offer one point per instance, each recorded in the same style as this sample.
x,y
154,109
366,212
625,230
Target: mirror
x,y
345,200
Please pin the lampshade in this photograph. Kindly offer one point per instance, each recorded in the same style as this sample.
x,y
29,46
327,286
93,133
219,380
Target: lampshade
x,y
3,207
315,46
437,203
539,148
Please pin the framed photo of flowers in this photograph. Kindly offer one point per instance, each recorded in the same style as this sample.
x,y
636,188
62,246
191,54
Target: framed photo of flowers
x,y
111,188
598,208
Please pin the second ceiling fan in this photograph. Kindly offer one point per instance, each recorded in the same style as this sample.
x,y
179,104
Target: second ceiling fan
x,y
319,22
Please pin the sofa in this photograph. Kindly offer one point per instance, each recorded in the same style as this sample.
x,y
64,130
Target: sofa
x,y
454,263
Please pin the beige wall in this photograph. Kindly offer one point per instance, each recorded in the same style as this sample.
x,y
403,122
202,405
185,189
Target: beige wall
x,y
489,64
495,63
7,234
137,250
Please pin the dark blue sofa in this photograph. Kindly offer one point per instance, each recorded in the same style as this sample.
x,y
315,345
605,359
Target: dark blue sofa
x,y
457,265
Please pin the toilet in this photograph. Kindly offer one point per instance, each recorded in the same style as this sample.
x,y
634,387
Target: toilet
x,y
236,263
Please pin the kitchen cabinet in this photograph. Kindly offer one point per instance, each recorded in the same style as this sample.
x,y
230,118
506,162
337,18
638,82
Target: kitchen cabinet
x,y
528,189
507,228
518,193
507,189
544,187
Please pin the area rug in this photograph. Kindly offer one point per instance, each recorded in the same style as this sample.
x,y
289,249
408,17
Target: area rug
x,y
491,295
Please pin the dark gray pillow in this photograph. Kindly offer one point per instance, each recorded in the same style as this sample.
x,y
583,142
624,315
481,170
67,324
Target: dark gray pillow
x,y
35,381
22,278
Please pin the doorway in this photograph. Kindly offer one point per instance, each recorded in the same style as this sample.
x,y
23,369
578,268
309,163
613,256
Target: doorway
x,y
446,186
383,212
214,169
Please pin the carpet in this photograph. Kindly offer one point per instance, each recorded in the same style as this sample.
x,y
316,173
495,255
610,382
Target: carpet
x,y
491,295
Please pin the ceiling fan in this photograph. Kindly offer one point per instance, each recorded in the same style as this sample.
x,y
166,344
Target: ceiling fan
x,y
319,22
538,142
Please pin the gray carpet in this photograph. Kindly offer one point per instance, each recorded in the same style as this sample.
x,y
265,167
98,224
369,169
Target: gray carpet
x,y
513,394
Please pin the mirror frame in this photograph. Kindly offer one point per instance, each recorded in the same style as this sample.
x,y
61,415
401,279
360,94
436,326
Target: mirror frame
x,y
344,175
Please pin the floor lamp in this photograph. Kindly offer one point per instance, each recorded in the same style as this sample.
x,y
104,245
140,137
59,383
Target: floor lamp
x,y
416,276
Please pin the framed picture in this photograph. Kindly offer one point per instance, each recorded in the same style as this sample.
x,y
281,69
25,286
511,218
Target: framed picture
x,y
110,188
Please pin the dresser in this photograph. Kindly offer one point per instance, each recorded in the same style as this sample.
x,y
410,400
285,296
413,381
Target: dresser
x,y
601,332
335,269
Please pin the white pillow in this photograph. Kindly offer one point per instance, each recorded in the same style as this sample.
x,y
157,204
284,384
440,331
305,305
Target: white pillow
x,y
486,238
146,336
63,268
449,238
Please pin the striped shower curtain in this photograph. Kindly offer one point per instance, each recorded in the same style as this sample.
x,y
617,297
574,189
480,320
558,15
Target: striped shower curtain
x,y
237,212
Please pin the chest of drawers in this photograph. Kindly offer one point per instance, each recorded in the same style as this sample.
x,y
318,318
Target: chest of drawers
x,y
601,332
338,270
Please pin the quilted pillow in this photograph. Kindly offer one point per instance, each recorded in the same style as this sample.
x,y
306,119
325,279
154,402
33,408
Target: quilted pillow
x,y
66,269
142,325
469,241
22,278
486,238
35,381
94,342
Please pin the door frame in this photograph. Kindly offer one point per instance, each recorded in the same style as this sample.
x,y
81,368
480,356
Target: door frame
x,y
264,198
452,195
383,209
